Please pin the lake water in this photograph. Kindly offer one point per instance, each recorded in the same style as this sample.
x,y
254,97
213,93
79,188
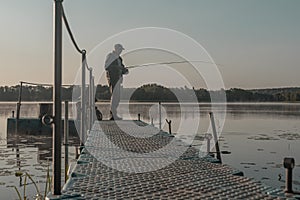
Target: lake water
x,y
258,136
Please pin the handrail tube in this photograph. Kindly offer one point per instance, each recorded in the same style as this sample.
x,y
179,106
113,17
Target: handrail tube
x,y
70,32
45,84
83,103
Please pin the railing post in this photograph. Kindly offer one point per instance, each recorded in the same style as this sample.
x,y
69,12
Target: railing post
x,y
91,108
170,126
56,169
93,100
83,100
207,136
88,106
289,164
159,113
66,138
213,125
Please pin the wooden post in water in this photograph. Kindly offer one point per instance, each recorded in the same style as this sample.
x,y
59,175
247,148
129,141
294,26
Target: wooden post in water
x,y
213,125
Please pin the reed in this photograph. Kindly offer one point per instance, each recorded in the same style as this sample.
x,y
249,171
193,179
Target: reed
x,y
39,196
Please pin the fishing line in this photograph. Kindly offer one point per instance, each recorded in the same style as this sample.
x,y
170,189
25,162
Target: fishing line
x,y
173,62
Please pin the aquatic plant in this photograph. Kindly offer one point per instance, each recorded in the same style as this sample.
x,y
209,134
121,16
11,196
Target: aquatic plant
x,y
38,196
17,191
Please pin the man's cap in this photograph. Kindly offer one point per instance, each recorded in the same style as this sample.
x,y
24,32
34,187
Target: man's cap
x,y
119,46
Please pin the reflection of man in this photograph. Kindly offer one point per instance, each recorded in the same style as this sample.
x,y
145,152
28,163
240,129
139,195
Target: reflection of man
x,y
114,72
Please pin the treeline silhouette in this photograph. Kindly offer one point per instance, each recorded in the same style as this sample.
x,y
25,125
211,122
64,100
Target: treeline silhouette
x,y
154,92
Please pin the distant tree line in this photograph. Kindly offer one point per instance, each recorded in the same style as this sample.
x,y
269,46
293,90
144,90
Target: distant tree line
x,y
154,92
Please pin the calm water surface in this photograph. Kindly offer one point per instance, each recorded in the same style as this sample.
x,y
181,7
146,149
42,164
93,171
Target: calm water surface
x,y
258,136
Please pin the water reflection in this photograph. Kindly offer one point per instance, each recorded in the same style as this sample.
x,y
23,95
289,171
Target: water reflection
x,y
258,135
43,143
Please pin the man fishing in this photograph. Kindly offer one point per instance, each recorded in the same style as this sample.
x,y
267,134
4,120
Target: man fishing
x,y
114,73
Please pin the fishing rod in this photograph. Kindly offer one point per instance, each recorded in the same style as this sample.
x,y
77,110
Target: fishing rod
x,y
167,63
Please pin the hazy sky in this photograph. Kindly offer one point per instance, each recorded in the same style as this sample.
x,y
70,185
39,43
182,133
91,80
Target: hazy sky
x,y
256,41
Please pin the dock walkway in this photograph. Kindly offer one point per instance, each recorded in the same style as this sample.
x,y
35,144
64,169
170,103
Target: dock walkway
x,y
105,172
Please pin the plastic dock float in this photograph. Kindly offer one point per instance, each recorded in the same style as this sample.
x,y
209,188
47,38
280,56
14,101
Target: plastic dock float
x,y
34,126
97,174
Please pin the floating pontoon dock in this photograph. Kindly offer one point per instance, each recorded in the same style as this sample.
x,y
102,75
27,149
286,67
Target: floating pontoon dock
x,y
189,177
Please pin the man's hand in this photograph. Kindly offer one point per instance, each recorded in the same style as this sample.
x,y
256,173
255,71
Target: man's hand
x,y
125,71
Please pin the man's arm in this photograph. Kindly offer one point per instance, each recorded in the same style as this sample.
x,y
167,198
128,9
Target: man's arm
x,y
110,58
123,68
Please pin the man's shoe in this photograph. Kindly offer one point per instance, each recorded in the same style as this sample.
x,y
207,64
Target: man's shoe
x,y
118,118
115,118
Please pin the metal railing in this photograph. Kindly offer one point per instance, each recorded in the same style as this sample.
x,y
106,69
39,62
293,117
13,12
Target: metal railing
x,y
87,101
86,105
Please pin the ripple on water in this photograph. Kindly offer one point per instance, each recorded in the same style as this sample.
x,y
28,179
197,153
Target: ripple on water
x,y
278,165
262,137
270,163
247,163
289,136
6,173
260,149
44,151
265,178
38,143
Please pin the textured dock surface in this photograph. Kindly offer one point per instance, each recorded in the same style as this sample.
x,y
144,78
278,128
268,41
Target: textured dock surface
x,y
97,174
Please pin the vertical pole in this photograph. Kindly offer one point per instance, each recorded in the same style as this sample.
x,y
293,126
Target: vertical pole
x,y
208,144
93,100
215,136
159,113
289,164
88,106
19,100
91,108
83,103
170,126
66,137
18,159
56,169
139,117
289,181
